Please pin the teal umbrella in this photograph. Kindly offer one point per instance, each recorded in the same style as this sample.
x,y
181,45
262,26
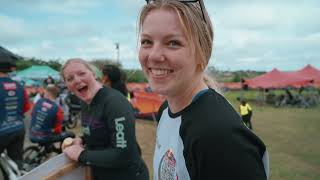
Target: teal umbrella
x,y
38,72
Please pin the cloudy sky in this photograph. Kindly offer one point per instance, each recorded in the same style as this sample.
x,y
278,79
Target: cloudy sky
x,y
249,34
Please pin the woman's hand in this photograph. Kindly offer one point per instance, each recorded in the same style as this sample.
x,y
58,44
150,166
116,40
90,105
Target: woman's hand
x,y
77,141
73,151
71,141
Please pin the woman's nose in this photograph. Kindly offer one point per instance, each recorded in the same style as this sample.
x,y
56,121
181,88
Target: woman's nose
x,y
76,79
156,53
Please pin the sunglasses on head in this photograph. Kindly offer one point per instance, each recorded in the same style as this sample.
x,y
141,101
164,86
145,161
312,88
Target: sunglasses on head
x,y
187,1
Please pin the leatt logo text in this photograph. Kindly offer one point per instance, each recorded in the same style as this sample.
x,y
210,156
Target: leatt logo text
x,y
121,142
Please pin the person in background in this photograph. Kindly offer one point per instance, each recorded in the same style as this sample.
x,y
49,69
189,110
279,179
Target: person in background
x,y
246,113
108,146
48,81
14,102
39,94
46,119
115,78
199,134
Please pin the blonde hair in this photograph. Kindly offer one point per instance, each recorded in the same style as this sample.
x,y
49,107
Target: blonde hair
x,y
211,83
75,60
199,31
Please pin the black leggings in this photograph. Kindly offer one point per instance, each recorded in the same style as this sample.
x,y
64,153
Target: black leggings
x,y
247,120
13,143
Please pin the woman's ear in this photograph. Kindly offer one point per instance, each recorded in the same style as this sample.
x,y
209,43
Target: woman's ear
x,y
200,67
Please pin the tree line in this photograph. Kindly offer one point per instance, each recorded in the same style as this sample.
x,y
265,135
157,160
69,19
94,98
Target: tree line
x,y
133,75
136,75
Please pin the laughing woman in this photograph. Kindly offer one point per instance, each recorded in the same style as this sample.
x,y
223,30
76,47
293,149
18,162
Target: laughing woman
x,y
109,144
199,135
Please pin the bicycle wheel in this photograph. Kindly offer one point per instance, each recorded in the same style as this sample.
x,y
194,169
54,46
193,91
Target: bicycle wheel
x,y
3,175
33,157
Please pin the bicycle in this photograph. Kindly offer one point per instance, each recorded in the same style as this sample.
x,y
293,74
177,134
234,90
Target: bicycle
x,y
35,155
8,168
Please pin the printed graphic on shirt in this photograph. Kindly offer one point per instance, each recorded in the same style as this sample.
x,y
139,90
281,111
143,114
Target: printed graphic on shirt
x,y
120,136
91,121
167,167
41,115
11,105
11,93
9,86
169,161
47,105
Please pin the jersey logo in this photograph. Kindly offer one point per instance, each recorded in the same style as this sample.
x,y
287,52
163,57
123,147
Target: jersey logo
x,y
9,86
121,142
44,109
11,93
47,105
167,168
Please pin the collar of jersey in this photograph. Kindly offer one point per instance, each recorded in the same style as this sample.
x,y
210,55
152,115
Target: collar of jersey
x,y
97,97
194,99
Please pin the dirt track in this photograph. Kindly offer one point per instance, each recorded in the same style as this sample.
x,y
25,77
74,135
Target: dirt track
x,y
146,133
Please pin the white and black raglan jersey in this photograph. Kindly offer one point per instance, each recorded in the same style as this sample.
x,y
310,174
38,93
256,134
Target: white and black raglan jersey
x,y
207,140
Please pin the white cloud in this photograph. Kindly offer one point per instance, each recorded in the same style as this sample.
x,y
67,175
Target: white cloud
x,y
312,39
248,34
39,51
65,6
131,6
12,29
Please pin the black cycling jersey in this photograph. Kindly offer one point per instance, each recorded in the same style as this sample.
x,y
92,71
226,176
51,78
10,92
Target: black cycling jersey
x,y
108,126
207,140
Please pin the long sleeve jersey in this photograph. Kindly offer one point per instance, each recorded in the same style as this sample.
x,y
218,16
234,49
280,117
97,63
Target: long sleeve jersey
x,y
46,120
14,102
108,127
207,140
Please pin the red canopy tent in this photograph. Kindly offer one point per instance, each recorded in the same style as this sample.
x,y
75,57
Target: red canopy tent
x,y
277,79
231,85
308,72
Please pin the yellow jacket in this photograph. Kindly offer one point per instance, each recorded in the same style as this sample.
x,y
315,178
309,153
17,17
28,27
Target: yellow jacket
x,y
244,110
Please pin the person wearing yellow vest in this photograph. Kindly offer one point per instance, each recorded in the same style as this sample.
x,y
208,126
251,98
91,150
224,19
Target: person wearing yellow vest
x,y
246,113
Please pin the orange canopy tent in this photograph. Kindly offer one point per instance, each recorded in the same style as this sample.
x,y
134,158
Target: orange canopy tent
x,y
145,102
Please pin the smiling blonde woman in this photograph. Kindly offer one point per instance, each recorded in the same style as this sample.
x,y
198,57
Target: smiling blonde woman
x,y
109,144
199,135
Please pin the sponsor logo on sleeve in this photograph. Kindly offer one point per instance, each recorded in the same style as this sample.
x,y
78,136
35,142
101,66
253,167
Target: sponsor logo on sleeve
x,y
120,135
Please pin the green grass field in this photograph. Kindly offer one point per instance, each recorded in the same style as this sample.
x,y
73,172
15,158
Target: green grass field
x,y
292,136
